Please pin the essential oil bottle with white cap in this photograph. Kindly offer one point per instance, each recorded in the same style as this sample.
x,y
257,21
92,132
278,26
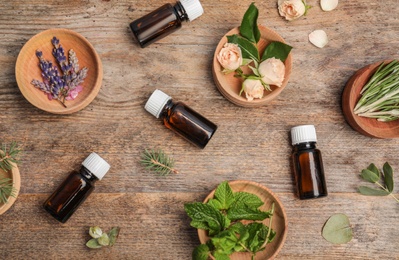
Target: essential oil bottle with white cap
x,y
76,188
180,118
307,163
165,20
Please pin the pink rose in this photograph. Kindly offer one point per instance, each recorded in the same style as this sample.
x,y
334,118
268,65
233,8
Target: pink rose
x,y
253,88
272,71
291,9
230,56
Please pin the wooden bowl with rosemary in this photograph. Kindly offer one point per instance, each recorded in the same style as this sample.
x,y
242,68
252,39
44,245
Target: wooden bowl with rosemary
x,y
376,115
81,72
9,180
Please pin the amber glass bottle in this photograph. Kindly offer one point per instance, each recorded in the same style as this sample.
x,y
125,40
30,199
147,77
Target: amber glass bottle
x,y
164,20
307,163
76,188
180,118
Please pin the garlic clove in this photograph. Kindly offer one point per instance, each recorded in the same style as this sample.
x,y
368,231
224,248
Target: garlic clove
x,y
328,5
318,38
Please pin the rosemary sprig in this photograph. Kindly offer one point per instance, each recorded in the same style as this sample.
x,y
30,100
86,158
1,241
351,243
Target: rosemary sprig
x,y
158,161
8,156
6,189
380,96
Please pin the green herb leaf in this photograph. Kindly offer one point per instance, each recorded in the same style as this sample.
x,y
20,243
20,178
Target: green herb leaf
x,y
224,195
200,212
246,213
215,203
374,169
221,256
248,49
249,25
201,252
225,242
277,50
103,240
372,192
245,199
92,243
337,229
388,176
113,235
369,176
95,232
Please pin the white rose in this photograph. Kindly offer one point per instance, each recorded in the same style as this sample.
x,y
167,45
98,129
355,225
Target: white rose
x,y
291,9
230,56
272,71
253,88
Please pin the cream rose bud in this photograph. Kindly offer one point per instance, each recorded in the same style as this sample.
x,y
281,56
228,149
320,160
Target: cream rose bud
x,y
272,71
253,88
230,56
291,9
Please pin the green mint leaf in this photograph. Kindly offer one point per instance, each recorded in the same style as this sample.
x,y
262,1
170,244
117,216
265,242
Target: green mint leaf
x,y
225,242
277,50
372,192
257,236
249,25
221,256
388,176
201,252
215,203
337,229
92,243
245,199
369,176
199,224
248,49
95,232
247,213
224,195
206,213
113,235
103,240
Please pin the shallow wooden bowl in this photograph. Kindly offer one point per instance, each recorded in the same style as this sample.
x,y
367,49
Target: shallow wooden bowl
x,y
27,68
367,126
280,223
16,178
230,86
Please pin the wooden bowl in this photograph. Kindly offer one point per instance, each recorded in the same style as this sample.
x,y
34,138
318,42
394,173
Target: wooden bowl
x,y
280,223
16,178
27,68
367,126
230,86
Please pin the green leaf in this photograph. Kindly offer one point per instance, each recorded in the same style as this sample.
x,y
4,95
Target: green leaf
x,y
103,240
337,229
221,256
277,50
224,195
249,25
199,224
374,169
257,236
388,176
95,232
372,192
248,49
369,176
215,203
225,242
206,213
246,213
249,200
113,235
92,243
201,252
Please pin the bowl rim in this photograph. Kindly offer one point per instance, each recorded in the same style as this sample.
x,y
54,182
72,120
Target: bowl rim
x,y
16,177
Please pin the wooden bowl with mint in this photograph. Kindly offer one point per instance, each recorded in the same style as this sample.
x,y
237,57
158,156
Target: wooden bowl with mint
x,y
370,100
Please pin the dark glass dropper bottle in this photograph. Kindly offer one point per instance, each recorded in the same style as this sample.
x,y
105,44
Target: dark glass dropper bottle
x,y
76,188
307,163
164,20
180,118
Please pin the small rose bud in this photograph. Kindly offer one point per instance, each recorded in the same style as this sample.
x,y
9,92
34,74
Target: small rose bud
x,y
230,56
272,71
291,9
253,88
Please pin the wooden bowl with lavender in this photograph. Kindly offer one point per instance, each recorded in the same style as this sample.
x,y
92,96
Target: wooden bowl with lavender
x,y
59,71
370,100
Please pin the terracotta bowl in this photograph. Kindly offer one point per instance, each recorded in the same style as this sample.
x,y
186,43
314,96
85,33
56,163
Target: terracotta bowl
x,y
230,86
27,68
367,126
16,178
280,223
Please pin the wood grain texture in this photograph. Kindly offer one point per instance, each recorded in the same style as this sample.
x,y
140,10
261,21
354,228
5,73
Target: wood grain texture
x,y
250,143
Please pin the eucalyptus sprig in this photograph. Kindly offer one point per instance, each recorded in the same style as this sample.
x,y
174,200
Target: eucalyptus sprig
x,y
158,161
8,156
380,96
372,174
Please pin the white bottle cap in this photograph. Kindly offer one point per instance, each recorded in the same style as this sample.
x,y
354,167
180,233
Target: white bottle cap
x,y
193,8
303,134
96,165
156,103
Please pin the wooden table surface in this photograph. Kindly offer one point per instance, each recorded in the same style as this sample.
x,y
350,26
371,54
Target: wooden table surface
x,y
250,144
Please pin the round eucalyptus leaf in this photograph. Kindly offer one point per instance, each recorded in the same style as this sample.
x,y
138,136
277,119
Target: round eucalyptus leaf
x,y
337,229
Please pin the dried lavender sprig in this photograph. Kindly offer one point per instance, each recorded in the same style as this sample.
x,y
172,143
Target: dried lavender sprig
x,y
80,76
74,62
42,86
51,75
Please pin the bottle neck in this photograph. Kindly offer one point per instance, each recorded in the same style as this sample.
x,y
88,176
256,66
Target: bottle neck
x,y
305,146
168,106
180,12
88,174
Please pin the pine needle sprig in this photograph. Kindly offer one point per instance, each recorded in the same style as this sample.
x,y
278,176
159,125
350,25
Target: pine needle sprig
x,y
158,161
6,190
8,156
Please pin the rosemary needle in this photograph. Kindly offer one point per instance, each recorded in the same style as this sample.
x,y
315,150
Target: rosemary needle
x,y
158,161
